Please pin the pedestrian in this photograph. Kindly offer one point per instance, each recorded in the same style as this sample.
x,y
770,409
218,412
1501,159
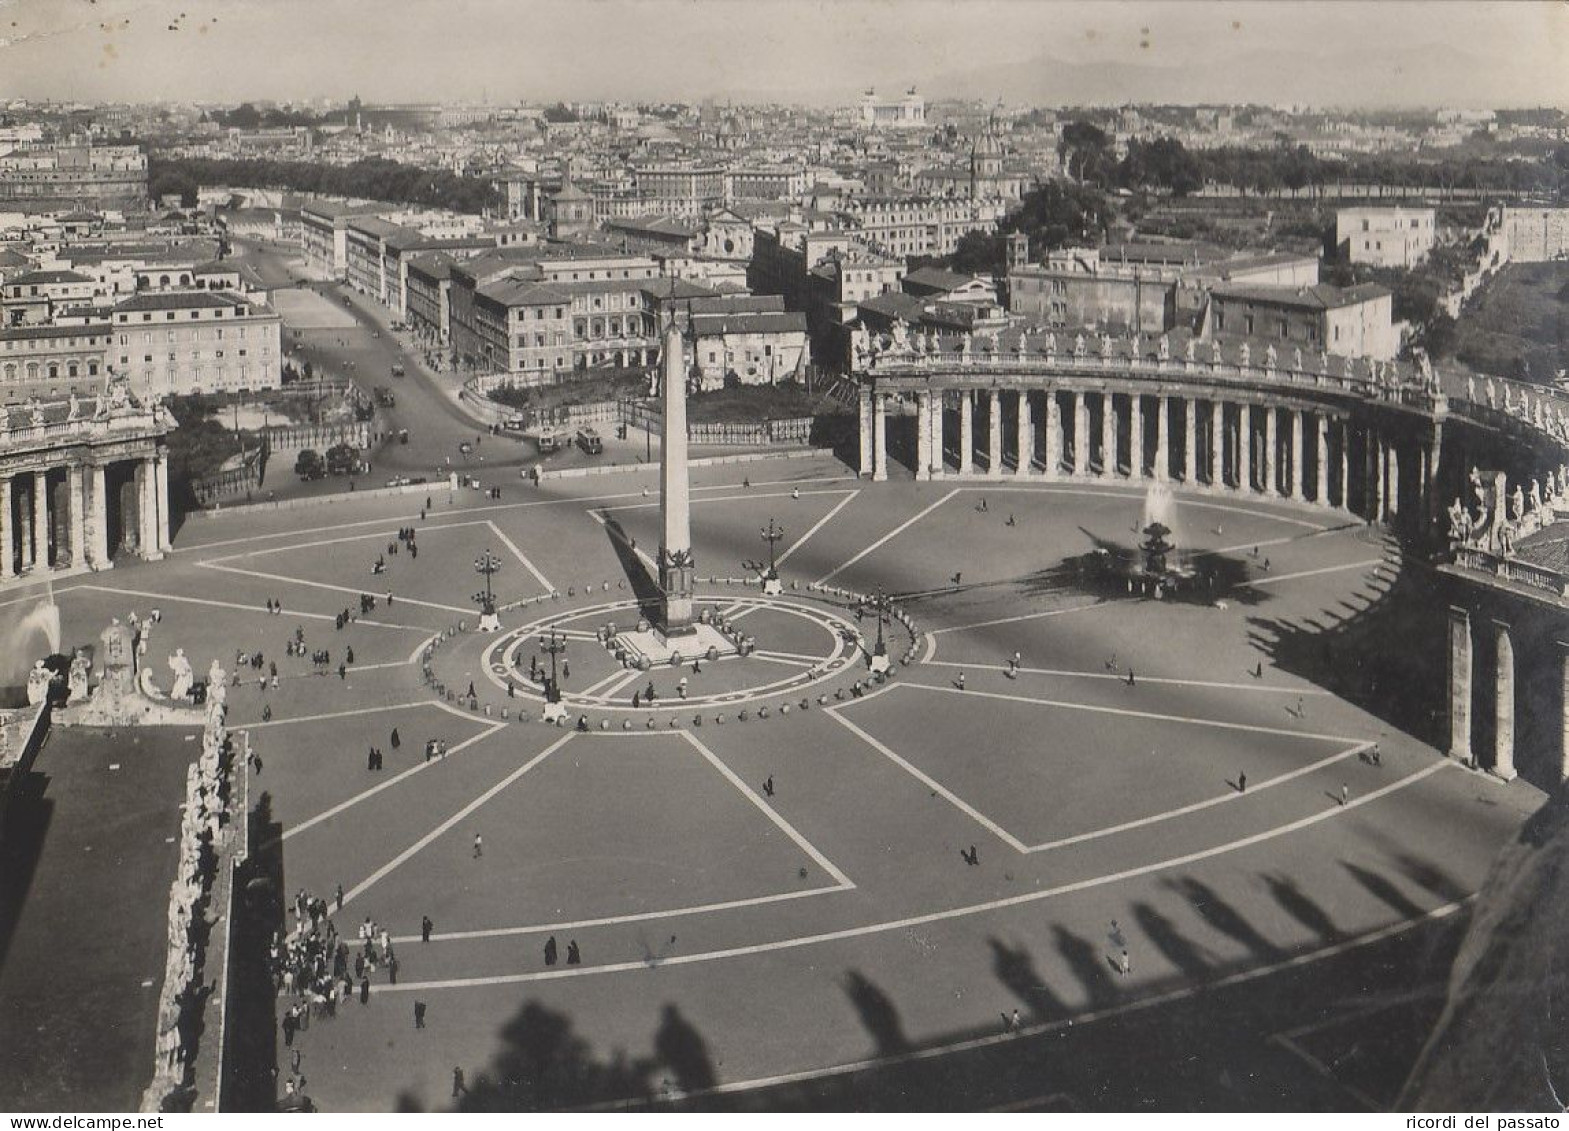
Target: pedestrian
x,y
960,681
339,894
392,968
574,956
396,741
458,1087
290,1023
637,700
266,713
1132,680
1242,783
1345,794
1127,963
768,786
1258,670
550,951
343,671
364,990
479,846
425,928
370,759
1374,756
419,1015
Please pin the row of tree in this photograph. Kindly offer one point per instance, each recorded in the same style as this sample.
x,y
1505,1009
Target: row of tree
x,y
1166,165
374,178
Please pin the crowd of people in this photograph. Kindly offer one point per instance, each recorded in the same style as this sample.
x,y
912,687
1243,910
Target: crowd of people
x,y
321,969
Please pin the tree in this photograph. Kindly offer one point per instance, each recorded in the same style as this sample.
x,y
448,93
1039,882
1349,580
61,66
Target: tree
x,y
309,465
978,253
1059,215
1087,147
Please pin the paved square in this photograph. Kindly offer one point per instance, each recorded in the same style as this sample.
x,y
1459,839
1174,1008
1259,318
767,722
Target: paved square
x,y
778,865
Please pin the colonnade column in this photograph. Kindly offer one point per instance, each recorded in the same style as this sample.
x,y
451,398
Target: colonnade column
x,y
923,436
41,519
1321,464
1504,705
935,435
1135,435
1026,434
1563,681
1162,438
97,518
78,503
7,534
1108,436
966,431
994,435
1459,684
1244,447
1375,463
866,432
879,436
1432,482
1345,465
1299,423
1053,435
1081,435
1217,444
1270,481
1190,441
1393,496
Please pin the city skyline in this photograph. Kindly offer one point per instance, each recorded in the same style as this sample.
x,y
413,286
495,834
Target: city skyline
x,y
1372,54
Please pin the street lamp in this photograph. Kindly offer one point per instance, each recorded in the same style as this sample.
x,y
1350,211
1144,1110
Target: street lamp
x,y
882,608
552,644
772,536
487,565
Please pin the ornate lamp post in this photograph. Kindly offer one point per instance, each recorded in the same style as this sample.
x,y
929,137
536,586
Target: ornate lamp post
x,y
487,565
553,644
772,536
882,608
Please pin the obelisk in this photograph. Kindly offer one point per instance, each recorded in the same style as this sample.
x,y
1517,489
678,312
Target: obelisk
x,y
675,507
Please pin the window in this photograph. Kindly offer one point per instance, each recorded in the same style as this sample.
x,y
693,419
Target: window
x,y
1285,329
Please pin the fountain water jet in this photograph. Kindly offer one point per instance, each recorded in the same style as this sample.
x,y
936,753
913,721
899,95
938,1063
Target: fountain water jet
x,y
27,636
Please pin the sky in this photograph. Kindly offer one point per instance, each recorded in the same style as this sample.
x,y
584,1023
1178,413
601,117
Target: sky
x,y
1336,53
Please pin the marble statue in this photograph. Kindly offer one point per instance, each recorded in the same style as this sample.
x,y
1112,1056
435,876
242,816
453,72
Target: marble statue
x,y
81,672
36,416
1470,388
1492,394
1506,538
1348,369
1189,349
1163,348
38,681
1051,343
183,675
901,337
75,409
1270,356
860,346
1078,346
1535,496
1459,524
1245,355
1105,345
964,345
1214,352
1516,504
1296,359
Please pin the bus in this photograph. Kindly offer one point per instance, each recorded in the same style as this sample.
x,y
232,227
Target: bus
x,y
548,440
589,441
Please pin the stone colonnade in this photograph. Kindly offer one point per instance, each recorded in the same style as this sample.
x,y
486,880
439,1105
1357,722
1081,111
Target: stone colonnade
x,y
33,541
1500,695
1315,453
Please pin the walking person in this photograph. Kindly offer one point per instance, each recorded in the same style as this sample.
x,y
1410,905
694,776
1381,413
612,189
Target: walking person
x,y
339,896
768,786
425,927
1127,964
574,956
1345,794
1242,782
550,951
479,846
459,1088
364,989
419,1015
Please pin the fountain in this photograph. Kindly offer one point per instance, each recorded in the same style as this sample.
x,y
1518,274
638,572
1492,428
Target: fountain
x,y
27,636
1157,566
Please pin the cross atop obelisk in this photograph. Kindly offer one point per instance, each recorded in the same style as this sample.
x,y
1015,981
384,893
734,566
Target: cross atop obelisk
x,y
675,508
